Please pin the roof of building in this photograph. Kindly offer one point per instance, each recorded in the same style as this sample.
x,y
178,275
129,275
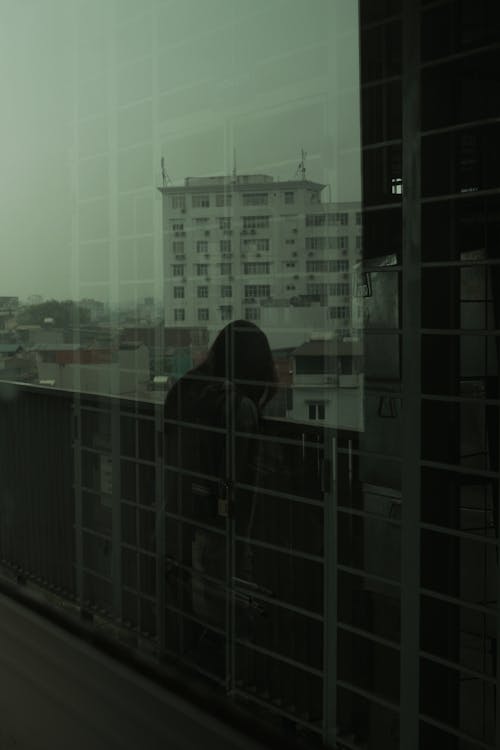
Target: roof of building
x,y
10,348
219,184
54,347
328,348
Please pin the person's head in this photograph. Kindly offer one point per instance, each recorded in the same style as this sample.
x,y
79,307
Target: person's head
x,y
242,355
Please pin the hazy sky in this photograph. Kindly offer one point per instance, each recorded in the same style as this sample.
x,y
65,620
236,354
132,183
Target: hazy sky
x,y
94,91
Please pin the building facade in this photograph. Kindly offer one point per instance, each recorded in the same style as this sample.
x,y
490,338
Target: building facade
x,y
255,248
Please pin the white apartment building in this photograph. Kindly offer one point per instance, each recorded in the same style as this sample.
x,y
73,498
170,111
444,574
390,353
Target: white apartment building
x,y
255,248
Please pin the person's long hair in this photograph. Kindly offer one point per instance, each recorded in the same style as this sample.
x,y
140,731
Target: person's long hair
x,y
242,356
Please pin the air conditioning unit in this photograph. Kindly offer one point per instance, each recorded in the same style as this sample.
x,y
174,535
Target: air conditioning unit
x,y
294,255
295,231
296,278
183,210
244,231
253,231
207,232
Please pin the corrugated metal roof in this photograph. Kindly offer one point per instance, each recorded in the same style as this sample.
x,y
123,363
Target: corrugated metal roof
x,y
10,348
318,348
57,347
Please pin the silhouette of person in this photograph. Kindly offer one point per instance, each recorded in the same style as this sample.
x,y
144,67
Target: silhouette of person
x,y
211,424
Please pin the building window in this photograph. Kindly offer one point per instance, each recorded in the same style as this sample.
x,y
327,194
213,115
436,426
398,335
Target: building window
x,y
177,227
327,243
179,314
257,245
224,223
201,221
201,201
202,291
340,289
397,186
289,197
255,199
226,291
316,289
178,247
256,268
203,313
202,246
225,268
223,199
226,312
256,222
358,218
315,220
178,269
317,410
225,246
289,242
178,292
178,201
257,291
201,269
326,266
332,219
359,242
339,313
252,313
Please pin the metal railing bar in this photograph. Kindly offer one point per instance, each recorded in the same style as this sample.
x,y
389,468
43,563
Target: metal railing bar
x,y
474,673
368,514
491,611
368,695
195,522
455,468
441,198
282,550
478,400
460,534
369,636
279,657
370,576
459,55
279,495
455,732
193,618
276,709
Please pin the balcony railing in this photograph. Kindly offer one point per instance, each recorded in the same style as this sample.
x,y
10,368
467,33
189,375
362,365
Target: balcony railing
x,y
84,519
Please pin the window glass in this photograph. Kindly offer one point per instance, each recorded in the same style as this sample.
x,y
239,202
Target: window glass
x,y
249,351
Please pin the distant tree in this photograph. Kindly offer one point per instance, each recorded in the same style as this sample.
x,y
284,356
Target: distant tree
x,y
65,313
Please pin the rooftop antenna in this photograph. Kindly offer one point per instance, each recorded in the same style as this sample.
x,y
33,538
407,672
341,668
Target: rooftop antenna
x,y
234,165
164,174
301,169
